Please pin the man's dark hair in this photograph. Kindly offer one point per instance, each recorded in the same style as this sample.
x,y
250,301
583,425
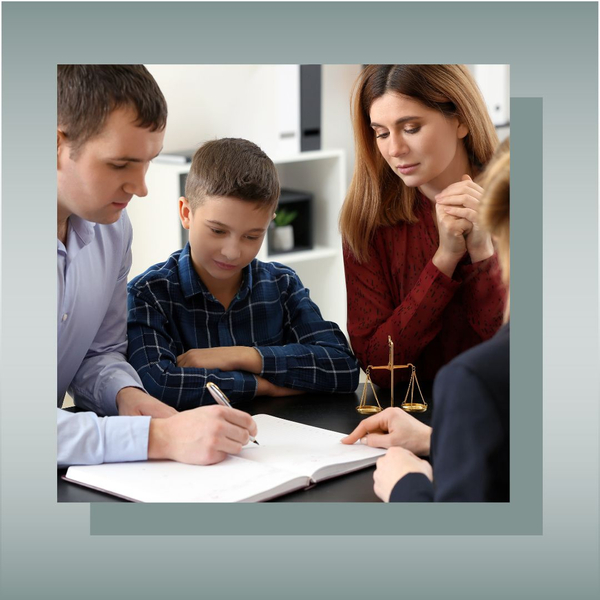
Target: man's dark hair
x,y
232,167
88,94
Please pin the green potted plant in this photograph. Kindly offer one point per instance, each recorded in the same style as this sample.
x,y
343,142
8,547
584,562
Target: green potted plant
x,y
282,234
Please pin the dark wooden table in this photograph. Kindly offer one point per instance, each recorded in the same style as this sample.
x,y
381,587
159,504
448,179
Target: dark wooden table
x,y
329,411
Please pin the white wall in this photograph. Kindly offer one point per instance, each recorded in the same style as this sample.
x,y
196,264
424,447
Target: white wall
x,y
210,101
336,125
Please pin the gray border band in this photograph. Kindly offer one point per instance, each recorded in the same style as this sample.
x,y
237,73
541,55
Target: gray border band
x,y
552,50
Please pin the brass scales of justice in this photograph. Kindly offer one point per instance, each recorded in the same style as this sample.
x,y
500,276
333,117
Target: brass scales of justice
x,y
367,409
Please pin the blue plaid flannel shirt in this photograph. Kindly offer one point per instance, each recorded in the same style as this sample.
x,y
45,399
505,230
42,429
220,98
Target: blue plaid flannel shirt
x,y
170,311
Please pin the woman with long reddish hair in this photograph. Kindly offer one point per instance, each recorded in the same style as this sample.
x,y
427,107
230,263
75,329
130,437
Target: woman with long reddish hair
x,y
418,266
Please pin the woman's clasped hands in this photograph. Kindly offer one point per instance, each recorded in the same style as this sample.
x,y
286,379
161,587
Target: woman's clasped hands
x,y
457,211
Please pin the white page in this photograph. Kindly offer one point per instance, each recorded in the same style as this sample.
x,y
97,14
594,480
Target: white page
x,y
302,449
232,480
287,451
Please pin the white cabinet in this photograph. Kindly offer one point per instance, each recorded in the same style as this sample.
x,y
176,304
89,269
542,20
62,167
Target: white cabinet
x,y
157,229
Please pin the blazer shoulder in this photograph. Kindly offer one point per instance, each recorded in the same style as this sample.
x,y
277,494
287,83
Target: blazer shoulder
x,y
494,350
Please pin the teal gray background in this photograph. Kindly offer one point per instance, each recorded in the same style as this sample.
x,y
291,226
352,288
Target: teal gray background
x,y
544,542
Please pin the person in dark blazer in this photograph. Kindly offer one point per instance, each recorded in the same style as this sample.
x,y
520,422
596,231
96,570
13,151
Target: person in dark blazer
x,y
468,442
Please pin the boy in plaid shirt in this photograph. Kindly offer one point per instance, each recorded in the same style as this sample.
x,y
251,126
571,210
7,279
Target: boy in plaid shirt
x,y
213,312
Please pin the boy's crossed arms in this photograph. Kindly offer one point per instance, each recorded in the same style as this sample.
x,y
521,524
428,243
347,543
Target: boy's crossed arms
x,y
233,358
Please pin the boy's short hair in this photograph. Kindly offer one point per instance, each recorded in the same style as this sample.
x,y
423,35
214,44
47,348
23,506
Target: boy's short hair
x,y
88,94
232,167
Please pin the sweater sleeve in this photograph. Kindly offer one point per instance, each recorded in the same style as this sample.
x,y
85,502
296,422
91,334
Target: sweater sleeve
x,y
373,315
484,295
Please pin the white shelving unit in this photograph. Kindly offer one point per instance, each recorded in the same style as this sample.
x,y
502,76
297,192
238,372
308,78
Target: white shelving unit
x,y
157,229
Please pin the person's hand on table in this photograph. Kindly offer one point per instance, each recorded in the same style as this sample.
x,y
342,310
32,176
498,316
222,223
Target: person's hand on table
x,y
392,427
201,436
462,200
134,402
392,467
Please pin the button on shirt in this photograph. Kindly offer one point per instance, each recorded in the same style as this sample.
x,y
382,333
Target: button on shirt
x,y
91,279
171,311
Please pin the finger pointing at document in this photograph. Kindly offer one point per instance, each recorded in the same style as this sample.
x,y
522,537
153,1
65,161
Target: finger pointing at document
x,y
392,427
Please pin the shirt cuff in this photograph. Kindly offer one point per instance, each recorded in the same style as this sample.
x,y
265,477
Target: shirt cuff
x,y
236,385
413,487
432,275
470,270
275,363
126,439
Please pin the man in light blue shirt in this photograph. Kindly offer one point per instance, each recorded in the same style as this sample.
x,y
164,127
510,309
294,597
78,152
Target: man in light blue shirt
x,y
111,122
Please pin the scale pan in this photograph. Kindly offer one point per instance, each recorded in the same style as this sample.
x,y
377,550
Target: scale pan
x,y
414,407
368,410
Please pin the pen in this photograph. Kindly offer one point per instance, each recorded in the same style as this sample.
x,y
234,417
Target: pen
x,y
221,399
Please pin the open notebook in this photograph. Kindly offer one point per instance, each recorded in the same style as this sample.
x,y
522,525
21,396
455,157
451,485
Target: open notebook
x,y
291,456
